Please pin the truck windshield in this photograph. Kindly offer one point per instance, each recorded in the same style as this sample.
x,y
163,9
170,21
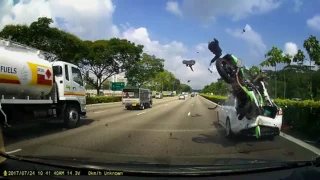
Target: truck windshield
x,y
130,93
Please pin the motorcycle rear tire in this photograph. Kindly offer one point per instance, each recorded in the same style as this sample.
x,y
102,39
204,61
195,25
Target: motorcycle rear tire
x,y
224,75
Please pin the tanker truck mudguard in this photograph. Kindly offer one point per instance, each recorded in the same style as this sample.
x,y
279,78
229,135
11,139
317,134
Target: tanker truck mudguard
x,y
34,89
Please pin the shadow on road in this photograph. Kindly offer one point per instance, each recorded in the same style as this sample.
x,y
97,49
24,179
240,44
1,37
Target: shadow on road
x,y
219,137
37,130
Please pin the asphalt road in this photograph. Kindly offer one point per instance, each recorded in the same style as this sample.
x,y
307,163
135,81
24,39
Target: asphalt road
x,y
172,131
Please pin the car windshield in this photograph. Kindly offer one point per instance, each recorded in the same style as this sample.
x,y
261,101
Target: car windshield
x,y
106,81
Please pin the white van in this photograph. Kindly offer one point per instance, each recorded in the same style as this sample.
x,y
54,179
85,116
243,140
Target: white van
x,y
227,117
159,95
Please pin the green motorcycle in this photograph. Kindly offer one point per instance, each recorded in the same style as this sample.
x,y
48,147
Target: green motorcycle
x,y
253,96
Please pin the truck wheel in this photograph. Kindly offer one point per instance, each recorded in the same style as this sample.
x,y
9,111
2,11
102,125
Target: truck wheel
x,y
72,116
150,104
142,107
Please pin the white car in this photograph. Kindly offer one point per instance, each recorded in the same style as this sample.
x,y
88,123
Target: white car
x,y
159,95
181,96
227,117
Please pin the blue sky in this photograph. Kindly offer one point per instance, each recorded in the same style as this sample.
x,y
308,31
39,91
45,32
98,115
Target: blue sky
x,y
276,27
177,29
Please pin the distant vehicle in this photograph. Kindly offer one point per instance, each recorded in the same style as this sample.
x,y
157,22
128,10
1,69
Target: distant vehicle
x,y
136,98
192,95
182,96
268,124
159,95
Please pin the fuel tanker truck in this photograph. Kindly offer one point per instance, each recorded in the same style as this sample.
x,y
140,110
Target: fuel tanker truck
x,y
33,88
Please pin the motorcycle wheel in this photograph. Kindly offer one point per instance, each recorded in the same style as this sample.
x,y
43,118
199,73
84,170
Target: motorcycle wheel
x,y
223,72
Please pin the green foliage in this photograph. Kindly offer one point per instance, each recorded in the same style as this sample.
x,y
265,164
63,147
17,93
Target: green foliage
x,y
220,87
102,99
59,44
274,57
312,46
218,99
145,70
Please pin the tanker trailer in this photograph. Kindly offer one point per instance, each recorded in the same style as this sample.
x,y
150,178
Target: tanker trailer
x,y
33,88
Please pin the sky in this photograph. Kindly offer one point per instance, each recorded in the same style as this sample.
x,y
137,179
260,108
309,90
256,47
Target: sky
x,y
181,29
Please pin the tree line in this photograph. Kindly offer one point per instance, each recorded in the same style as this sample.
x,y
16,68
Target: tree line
x,y
98,60
295,80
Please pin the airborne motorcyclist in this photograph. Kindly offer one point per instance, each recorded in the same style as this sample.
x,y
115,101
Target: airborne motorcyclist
x,y
214,47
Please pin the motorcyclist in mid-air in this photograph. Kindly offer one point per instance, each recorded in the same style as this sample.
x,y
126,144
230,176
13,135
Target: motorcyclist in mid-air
x,y
214,47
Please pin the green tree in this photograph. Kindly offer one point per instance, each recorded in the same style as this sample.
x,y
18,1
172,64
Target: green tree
x,y
312,47
299,57
185,88
274,57
145,70
58,44
105,58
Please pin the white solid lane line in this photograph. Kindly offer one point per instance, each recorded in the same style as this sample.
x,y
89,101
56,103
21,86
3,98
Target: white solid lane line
x,y
189,114
141,113
101,111
301,143
14,151
166,105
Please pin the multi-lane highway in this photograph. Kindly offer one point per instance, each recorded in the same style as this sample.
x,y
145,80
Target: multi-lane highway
x,y
172,131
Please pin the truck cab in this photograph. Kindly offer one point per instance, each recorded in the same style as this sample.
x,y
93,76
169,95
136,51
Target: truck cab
x,y
70,84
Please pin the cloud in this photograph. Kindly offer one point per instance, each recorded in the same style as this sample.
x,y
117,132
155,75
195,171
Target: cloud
x,y
208,9
253,39
297,5
93,20
290,48
174,8
174,53
314,23
87,19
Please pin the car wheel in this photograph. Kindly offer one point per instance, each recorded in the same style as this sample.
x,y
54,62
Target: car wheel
x,y
228,129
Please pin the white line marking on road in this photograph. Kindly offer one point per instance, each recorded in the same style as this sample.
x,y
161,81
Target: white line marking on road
x,y
301,143
101,111
191,104
189,114
14,151
102,104
141,113
166,105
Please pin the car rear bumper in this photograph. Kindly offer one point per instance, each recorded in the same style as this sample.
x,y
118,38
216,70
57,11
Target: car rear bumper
x,y
264,131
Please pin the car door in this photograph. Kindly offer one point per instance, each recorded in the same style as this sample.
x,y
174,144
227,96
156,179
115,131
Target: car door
x,y
223,112
226,109
77,84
